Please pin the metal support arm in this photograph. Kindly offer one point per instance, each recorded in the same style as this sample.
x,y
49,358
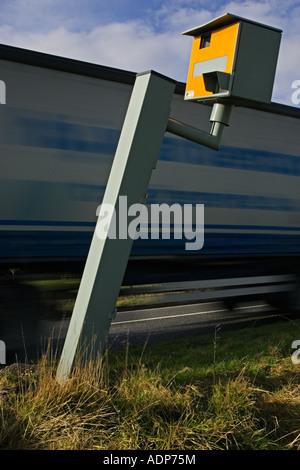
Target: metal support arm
x,y
220,117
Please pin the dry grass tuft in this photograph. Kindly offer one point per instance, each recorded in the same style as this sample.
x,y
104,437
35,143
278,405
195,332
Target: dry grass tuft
x,y
130,405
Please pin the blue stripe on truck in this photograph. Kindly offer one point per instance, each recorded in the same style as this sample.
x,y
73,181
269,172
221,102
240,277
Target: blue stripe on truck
x,y
55,134
35,245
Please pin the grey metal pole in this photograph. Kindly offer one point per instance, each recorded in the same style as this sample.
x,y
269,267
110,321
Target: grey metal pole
x,y
136,156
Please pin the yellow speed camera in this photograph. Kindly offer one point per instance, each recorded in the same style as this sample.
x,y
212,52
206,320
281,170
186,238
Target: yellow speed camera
x,y
232,57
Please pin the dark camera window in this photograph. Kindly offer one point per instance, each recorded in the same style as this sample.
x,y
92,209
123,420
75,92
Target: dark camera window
x,y
205,40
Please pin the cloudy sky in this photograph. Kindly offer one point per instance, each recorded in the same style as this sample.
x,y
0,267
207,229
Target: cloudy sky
x,y
139,35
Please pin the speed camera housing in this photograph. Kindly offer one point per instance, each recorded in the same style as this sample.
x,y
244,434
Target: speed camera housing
x,y
232,58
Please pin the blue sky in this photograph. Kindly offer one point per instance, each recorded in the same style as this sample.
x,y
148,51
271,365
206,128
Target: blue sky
x,y
139,35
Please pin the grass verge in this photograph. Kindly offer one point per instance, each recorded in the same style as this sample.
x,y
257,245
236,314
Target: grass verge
x,y
232,390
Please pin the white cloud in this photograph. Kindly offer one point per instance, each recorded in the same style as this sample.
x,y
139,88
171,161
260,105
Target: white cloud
x,y
148,42
129,46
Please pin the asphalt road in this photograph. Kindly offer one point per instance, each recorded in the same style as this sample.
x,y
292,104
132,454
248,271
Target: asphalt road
x,y
171,322
143,325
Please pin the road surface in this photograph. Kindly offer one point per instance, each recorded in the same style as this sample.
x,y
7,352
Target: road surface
x,y
145,325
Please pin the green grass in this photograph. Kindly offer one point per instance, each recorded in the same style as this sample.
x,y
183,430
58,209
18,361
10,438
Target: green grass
x,y
228,390
54,284
72,285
